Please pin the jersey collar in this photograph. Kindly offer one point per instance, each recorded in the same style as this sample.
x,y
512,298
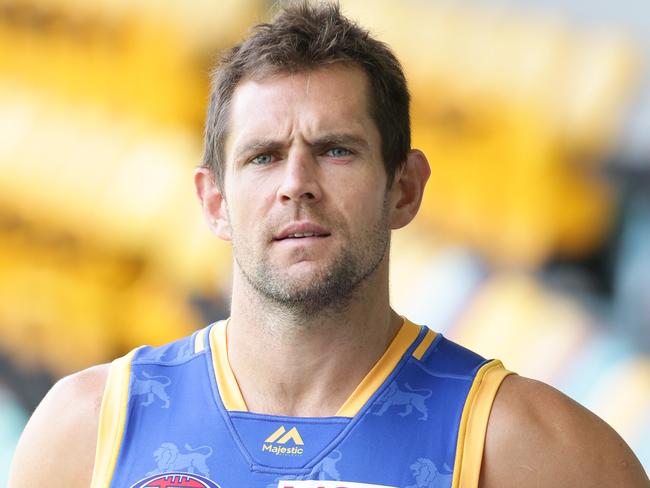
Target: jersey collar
x,y
234,401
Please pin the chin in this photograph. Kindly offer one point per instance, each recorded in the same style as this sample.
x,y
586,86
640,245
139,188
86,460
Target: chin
x,y
302,280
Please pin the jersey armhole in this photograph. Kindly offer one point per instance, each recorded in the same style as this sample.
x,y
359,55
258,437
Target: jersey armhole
x,y
112,417
473,424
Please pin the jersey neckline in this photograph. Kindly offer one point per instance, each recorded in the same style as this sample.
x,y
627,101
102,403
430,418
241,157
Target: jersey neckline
x,y
233,400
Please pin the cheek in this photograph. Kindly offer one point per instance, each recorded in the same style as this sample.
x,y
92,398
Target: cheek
x,y
251,203
361,205
257,190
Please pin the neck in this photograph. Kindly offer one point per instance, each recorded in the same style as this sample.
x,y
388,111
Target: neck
x,y
291,363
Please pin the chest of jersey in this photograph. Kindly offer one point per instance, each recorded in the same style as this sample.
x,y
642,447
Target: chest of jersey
x,y
180,429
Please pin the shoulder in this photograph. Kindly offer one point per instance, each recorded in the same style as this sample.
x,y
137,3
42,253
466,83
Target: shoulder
x,y
539,437
57,447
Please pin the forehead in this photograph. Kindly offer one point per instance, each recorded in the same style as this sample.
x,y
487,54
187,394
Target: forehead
x,y
328,99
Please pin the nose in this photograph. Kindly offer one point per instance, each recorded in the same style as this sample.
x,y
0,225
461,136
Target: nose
x,y
300,181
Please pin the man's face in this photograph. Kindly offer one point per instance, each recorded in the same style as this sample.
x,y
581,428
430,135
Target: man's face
x,y
305,187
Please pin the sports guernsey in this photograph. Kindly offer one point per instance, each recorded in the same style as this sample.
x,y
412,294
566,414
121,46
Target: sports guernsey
x,y
174,416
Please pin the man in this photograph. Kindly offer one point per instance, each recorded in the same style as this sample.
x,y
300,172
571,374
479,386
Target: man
x,y
314,380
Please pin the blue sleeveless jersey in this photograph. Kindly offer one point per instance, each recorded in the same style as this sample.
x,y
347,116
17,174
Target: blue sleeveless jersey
x,y
173,416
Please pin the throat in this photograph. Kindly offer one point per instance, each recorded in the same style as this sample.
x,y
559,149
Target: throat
x,y
312,379
305,374
323,403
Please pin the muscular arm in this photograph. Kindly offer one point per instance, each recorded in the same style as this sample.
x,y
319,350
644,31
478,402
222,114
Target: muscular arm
x,y
57,447
538,437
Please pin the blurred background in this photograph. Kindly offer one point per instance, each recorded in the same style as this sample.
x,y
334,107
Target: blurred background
x,y
533,244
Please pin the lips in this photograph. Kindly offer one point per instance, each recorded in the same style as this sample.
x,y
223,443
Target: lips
x,y
301,230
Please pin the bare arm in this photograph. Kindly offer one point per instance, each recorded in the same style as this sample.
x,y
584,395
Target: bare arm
x,y
538,437
57,447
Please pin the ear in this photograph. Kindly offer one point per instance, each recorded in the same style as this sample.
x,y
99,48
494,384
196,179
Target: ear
x,y
408,188
213,203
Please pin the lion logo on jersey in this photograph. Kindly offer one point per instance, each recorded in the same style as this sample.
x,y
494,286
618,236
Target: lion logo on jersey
x,y
327,467
164,354
414,398
153,387
426,475
169,458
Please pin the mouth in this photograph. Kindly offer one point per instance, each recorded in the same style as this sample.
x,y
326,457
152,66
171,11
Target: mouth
x,y
302,236
301,231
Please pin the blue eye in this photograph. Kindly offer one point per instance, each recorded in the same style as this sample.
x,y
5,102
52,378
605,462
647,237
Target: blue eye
x,y
339,152
262,159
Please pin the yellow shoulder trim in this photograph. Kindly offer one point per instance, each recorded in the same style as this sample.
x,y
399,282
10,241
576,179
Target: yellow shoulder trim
x,y
473,424
380,371
112,417
199,341
228,388
424,345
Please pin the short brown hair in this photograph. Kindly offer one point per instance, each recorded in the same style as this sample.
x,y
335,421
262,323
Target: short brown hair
x,y
302,37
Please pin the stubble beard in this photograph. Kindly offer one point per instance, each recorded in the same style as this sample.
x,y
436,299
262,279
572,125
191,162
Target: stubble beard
x,y
329,290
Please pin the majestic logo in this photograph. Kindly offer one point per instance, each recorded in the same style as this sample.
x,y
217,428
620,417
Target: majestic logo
x,y
176,480
414,398
279,443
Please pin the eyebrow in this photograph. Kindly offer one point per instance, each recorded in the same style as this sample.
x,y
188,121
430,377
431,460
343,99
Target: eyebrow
x,y
330,140
326,140
256,146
